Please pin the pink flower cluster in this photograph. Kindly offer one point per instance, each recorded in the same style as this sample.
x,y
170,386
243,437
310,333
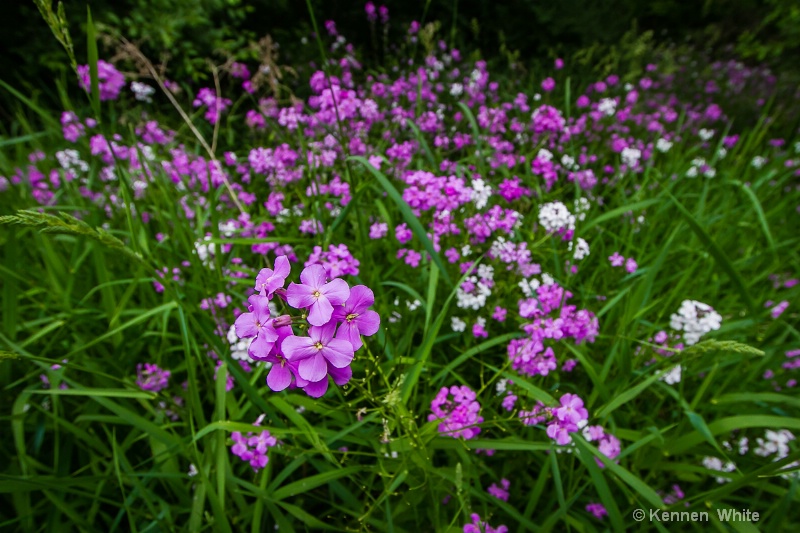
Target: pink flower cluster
x,y
529,356
617,260
337,315
457,410
110,80
152,378
215,105
608,444
253,448
478,526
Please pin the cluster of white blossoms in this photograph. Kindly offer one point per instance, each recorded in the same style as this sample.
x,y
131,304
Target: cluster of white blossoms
x,y
581,249
663,145
529,286
142,91
715,463
555,216
742,445
457,324
70,159
777,443
478,289
705,134
673,376
607,106
695,319
774,442
698,167
481,192
205,250
456,89
582,206
758,162
631,156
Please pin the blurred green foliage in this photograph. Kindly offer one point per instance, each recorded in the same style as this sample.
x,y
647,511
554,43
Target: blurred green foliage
x,y
186,32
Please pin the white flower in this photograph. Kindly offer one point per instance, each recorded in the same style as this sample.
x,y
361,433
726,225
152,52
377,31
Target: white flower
x,y
581,205
607,106
568,162
555,216
456,89
544,154
481,193
142,91
457,324
673,376
695,319
631,156
502,386
663,145
705,134
581,249
205,250
758,162
466,250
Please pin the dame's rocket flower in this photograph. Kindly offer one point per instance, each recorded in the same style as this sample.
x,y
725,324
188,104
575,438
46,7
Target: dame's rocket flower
x,y
356,318
317,295
269,280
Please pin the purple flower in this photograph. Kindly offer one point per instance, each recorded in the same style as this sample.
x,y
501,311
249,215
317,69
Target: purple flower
x,y
151,377
630,265
269,280
257,323
597,510
317,350
500,492
356,318
616,260
571,409
317,295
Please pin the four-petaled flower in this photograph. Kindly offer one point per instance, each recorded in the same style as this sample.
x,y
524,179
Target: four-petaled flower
x,y
356,318
316,295
269,280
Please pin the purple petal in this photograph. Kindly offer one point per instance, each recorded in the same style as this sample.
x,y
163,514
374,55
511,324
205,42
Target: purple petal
x,y
325,332
263,279
318,388
369,322
361,298
260,348
337,291
300,296
282,268
348,331
313,368
260,308
340,375
313,276
320,313
296,348
279,377
246,326
339,353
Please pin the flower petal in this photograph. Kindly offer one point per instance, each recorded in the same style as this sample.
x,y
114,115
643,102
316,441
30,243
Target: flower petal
x,y
246,326
361,298
313,276
320,313
279,377
339,353
300,296
313,368
348,331
368,323
296,348
318,388
337,291
341,375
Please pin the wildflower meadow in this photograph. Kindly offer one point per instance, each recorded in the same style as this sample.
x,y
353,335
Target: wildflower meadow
x,y
437,294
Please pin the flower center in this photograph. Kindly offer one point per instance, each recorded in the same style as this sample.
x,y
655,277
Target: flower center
x,y
318,346
351,316
316,294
